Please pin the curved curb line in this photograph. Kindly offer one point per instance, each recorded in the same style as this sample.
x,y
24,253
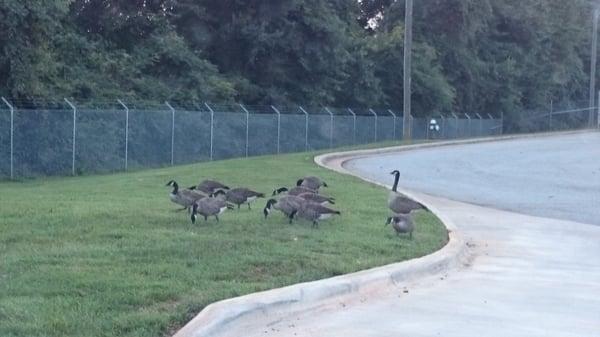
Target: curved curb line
x,y
220,316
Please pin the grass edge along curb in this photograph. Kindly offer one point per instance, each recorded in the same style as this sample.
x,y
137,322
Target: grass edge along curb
x,y
219,316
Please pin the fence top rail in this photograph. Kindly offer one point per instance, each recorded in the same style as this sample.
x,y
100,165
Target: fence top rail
x,y
554,113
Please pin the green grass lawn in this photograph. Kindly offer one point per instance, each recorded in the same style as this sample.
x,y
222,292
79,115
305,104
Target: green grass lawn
x,y
108,256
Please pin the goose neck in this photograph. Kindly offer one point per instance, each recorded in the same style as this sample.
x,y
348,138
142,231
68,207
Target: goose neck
x,y
396,178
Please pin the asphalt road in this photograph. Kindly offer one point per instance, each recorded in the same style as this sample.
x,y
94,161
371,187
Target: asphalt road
x,y
523,275
555,177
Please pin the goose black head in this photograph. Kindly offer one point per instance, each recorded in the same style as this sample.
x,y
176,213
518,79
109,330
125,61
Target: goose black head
x,y
194,212
279,191
389,221
218,193
395,172
171,183
267,208
325,184
299,182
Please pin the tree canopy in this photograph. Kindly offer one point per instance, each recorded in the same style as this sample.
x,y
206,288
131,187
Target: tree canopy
x,y
485,56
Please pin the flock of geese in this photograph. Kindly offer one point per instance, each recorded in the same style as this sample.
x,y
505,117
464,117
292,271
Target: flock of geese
x,y
212,198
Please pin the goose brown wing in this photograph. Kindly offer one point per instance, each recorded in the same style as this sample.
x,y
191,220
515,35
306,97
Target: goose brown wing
x,y
321,209
401,204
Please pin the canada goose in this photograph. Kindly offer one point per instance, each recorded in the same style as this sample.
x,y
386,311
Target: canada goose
x,y
312,182
240,195
184,197
286,204
211,186
399,203
402,223
317,198
294,191
209,207
314,212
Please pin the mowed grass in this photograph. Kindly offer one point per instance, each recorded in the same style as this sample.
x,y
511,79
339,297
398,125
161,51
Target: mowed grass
x,y
109,256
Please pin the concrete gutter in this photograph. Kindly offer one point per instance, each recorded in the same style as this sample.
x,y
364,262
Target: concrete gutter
x,y
219,318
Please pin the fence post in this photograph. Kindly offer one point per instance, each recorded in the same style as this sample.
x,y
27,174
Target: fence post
x,y
469,125
74,134
278,125
480,124
126,130
172,131
330,127
443,126
12,131
247,126
492,119
374,114
456,122
212,118
550,116
353,126
394,124
305,128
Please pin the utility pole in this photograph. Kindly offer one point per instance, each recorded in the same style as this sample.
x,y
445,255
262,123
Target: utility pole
x,y
406,127
593,65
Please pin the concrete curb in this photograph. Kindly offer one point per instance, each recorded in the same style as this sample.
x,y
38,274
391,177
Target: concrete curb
x,y
219,317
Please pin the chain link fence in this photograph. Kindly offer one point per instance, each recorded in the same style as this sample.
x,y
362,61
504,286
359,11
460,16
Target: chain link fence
x,y
69,138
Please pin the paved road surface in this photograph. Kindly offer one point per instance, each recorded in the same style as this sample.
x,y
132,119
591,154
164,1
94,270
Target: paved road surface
x,y
525,276
556,177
